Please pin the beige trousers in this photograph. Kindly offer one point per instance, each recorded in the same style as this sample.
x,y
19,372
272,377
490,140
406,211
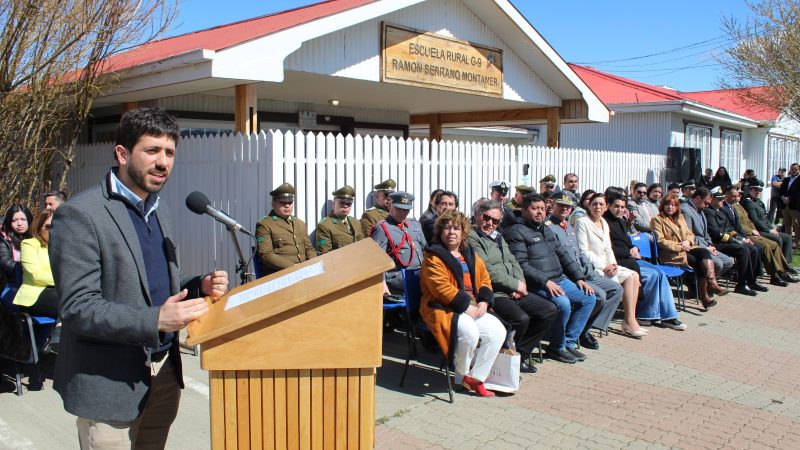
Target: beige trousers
x,y
150,429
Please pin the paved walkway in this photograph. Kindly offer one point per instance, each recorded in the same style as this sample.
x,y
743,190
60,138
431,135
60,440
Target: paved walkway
x,y
730,381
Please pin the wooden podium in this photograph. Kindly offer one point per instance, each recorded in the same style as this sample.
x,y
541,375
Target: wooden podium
x,y
295,368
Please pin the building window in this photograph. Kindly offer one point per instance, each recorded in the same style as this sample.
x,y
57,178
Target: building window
x,y
698,136
782,153
730,155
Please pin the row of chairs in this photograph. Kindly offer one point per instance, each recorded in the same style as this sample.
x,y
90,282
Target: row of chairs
x,y
36,330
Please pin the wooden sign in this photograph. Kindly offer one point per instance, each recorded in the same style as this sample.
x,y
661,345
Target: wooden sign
x,y
438,62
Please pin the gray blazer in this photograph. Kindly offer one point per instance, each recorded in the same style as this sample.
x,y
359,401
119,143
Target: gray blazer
x,y
107,314
695,221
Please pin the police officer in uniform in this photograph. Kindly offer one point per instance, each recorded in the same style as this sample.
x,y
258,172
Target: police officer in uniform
x,y
339,229
381,208
520,191
401,238
547,184
281,237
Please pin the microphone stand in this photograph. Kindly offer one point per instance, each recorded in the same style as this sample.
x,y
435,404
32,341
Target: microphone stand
x,y
241,268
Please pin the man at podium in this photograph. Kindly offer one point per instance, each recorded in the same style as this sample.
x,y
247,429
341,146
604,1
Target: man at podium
x,y
123,298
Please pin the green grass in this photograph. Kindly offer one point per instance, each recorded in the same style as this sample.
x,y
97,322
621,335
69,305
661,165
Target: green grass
x,y
796,258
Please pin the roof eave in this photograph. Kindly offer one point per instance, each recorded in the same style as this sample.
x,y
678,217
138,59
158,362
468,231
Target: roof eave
x,y
687,107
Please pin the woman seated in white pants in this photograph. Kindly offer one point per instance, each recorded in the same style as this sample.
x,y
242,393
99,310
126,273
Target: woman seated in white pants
x,y
457,294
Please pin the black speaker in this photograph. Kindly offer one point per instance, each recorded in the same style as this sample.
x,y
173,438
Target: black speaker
x,y
683,164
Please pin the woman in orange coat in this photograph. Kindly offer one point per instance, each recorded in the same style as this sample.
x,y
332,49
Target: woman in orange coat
x,y
456,296
676,245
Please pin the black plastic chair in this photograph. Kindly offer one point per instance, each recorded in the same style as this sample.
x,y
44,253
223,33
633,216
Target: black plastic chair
x,y
413,296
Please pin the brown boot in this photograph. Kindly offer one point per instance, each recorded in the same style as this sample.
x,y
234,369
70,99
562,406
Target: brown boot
x,y
711,279
702,294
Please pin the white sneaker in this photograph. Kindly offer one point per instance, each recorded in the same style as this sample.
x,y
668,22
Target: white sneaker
x,y
675,324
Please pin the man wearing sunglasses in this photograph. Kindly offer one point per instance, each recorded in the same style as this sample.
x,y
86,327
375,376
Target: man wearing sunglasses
x,y
282,238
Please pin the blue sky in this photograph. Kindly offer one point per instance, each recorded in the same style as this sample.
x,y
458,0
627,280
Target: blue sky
x,y
612,35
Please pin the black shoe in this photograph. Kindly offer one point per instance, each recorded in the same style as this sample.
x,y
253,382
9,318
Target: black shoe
x,y
744,290
776,280
757,287
588,341
561,356
789,278
525,366
578,355
793,270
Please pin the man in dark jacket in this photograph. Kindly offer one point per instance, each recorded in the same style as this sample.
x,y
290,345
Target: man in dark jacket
x,y
551,272
733,243
790,196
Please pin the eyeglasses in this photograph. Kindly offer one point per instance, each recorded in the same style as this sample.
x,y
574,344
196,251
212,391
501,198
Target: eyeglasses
x,y
641,192
489,218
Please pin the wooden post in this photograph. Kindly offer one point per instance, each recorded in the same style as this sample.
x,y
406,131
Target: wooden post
x,y
553,126
246,109
435,131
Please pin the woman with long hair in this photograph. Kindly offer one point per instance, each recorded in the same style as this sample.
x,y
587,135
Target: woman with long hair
x,y
721,179
594,241
16,228
676,245
582,208
456,300
38,293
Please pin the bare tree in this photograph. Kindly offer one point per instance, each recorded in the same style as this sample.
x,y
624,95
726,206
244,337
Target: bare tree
x,y
764,60
56,57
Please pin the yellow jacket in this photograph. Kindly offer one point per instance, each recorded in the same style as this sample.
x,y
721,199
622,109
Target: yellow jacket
x,y
36,273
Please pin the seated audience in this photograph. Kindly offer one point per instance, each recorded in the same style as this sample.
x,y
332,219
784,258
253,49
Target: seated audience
x,y
676,245
687,189
757,212
546,184
430,213
529,315
456,299
380,208
282,239
15,230
594,241
644,207
775,263
38,294
607,291
571,187
520,191
338,228
655,299
674,189
748,179
727,238
721,179
551,272
692,211
705,180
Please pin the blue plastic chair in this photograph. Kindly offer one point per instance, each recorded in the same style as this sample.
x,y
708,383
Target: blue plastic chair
x,y
649,252
31,325
413,296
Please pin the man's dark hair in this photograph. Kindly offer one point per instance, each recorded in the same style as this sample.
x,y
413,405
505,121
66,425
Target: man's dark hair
x,y
60,196
639,185
701,192
729,189
614,189
652,186
547,195
145,122
673,185
569,175
487,205
448,194
531,198
612,196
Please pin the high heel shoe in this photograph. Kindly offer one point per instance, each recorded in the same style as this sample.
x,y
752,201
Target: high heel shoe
x,y
476,386
638,334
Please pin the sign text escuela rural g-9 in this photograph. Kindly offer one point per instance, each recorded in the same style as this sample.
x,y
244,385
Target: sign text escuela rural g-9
x,y
428,60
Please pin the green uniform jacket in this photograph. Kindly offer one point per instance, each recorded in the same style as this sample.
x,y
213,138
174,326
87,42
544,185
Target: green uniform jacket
x,y
504,270
758,214
333,233
282,243
371,217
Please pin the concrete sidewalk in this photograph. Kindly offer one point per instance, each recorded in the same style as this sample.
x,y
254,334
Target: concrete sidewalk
x,y
730,381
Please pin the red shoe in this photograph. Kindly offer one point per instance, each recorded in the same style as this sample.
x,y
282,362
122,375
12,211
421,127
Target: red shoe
x,y
476,386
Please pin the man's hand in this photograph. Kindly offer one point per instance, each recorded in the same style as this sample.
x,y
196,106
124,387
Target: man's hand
x,y
386,289
553,288
713,250
522,288
176,313
774,232
686,246
748,241
215,284
785,200
756,233
610,270
585,287
635,253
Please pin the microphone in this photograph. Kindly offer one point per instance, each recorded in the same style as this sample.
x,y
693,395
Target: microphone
x,y
198,203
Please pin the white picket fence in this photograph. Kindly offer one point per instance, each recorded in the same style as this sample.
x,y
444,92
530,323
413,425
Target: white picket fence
x,y
237,172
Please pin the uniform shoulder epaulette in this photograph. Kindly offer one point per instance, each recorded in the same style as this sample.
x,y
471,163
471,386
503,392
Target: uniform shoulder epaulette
x,y
323,220
548,222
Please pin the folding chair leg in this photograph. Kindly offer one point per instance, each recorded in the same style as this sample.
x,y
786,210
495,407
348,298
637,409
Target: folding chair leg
x,y
449,382
541,355
18,371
